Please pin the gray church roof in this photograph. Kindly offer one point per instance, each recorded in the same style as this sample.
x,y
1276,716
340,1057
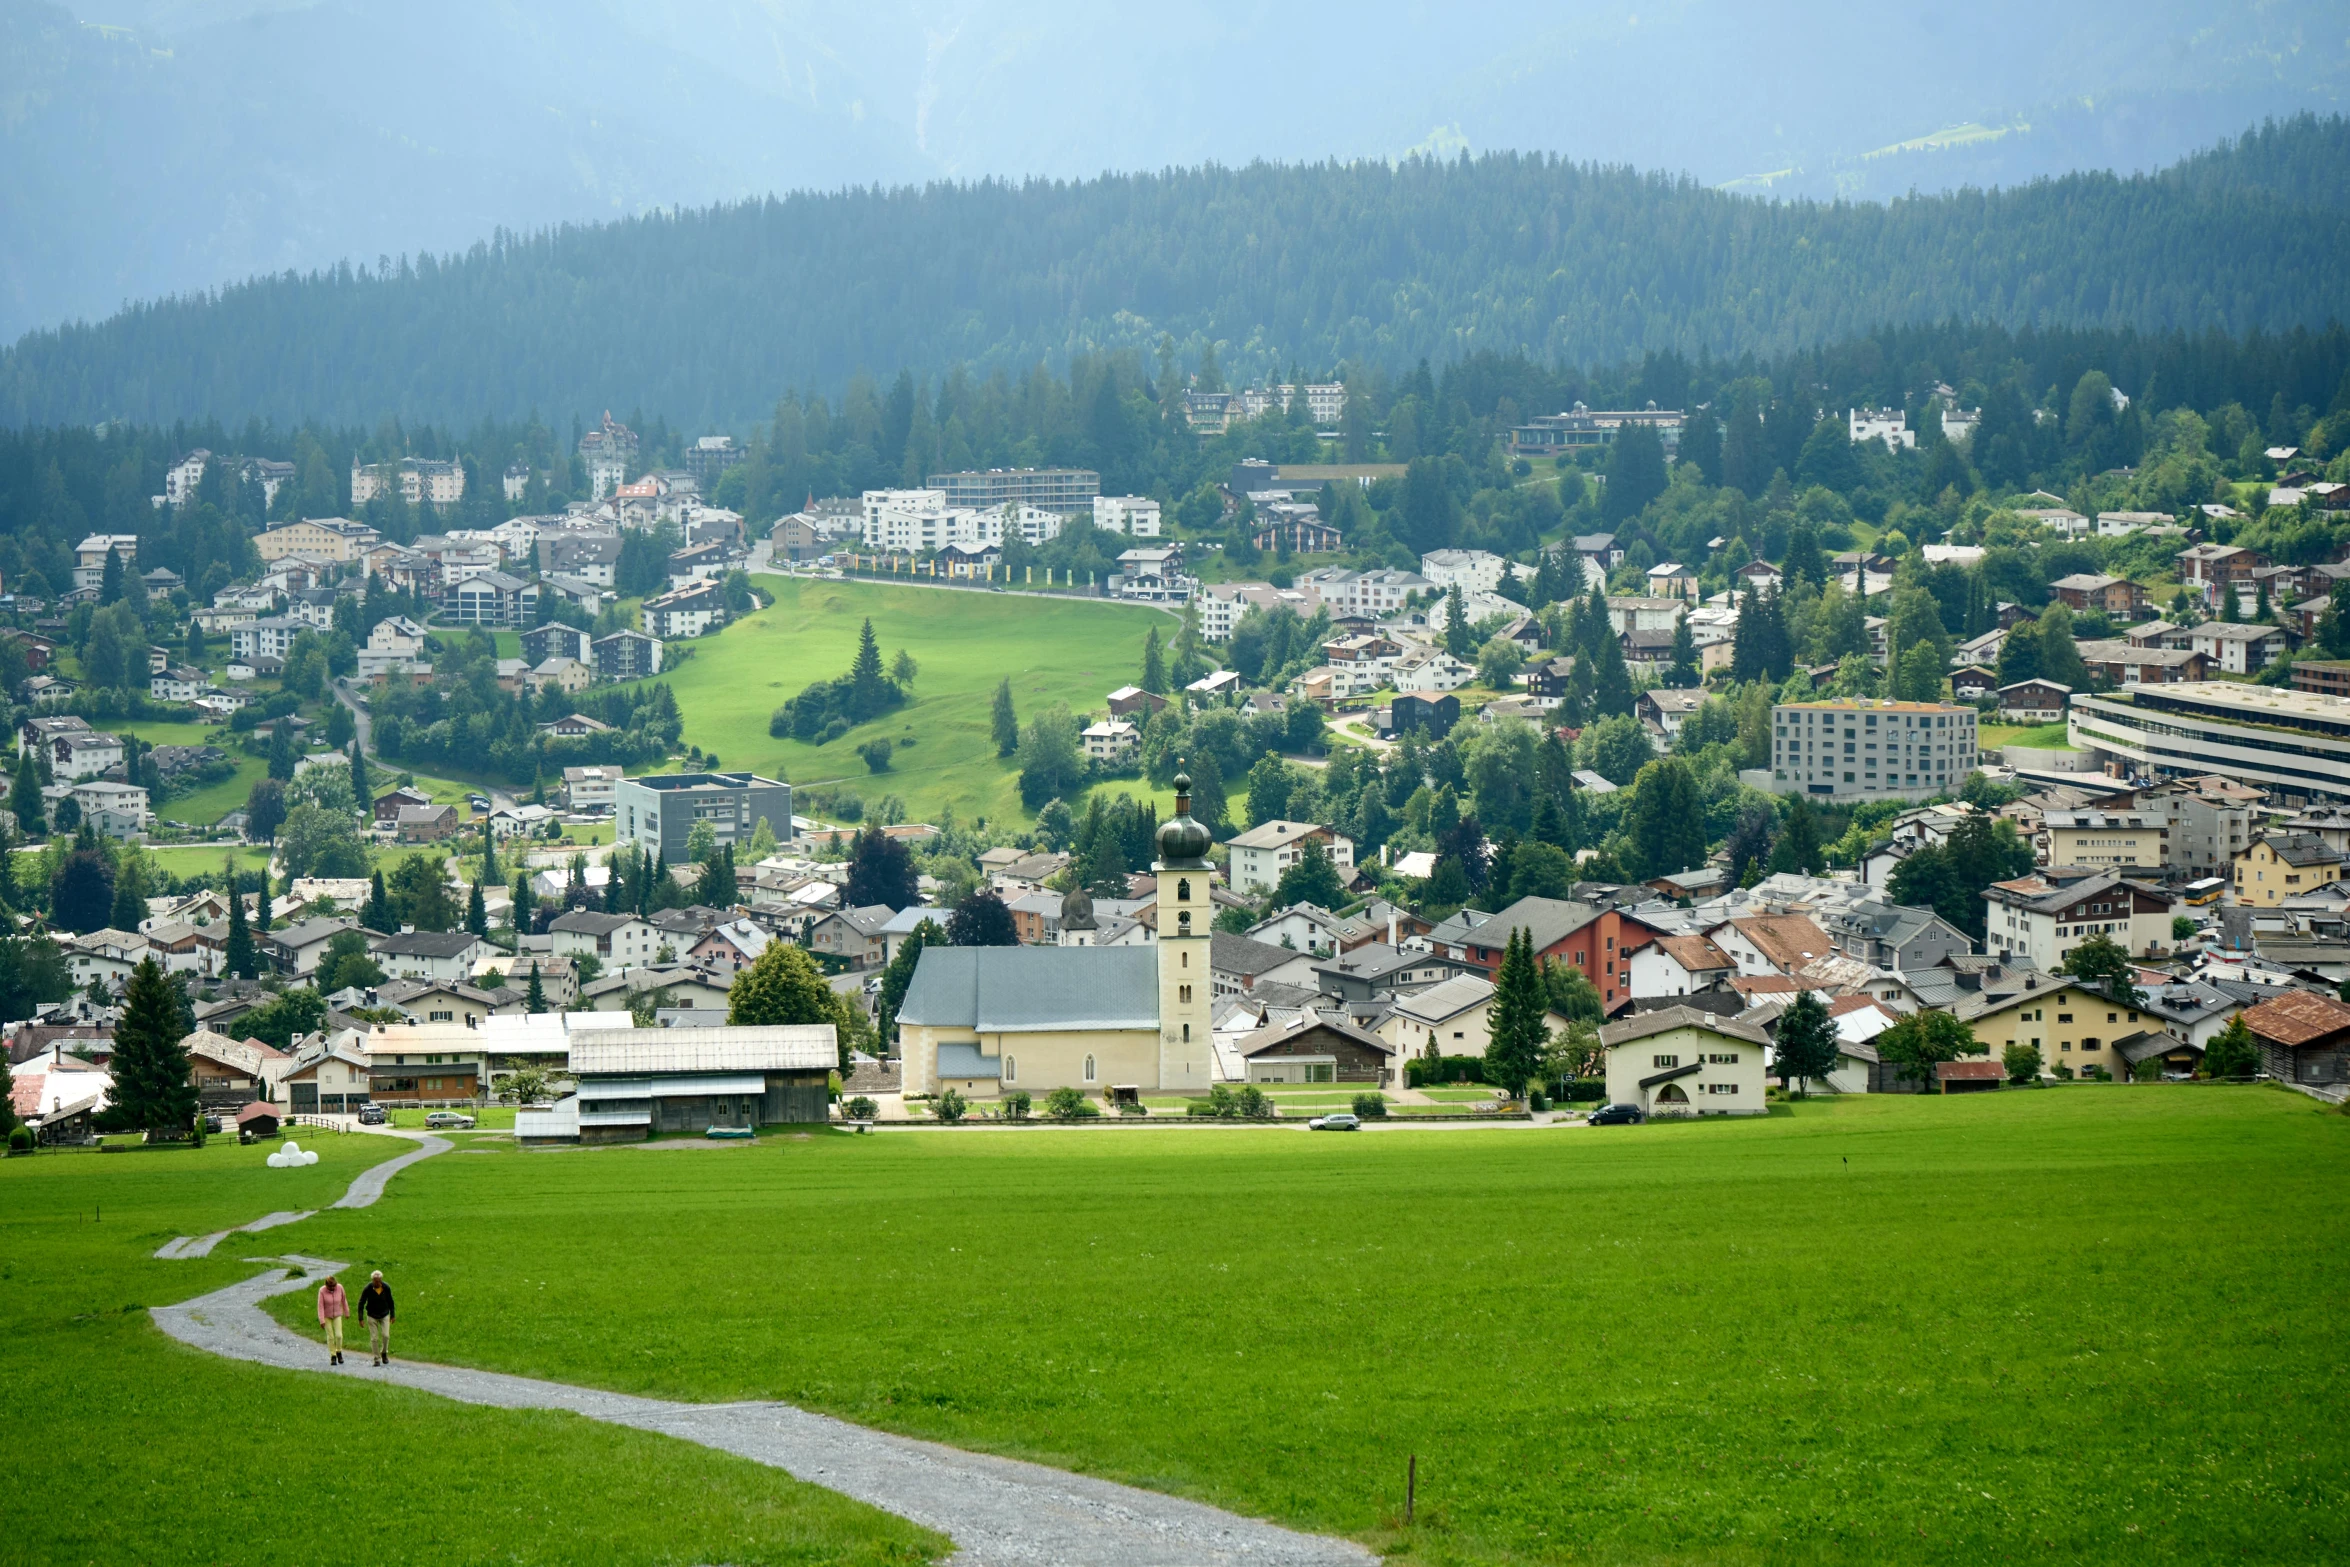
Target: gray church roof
x,y
1034,989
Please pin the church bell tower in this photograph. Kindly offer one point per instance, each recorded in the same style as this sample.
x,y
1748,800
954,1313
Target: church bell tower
x,y
1187,1058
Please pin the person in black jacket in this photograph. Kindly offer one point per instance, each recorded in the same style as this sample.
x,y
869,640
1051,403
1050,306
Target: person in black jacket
x,y
375,1304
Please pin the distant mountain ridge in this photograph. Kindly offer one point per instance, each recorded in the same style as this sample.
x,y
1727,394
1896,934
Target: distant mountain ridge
x,y
149,147
710,315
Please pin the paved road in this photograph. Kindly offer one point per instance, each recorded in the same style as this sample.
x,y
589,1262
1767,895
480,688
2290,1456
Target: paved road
x,y
366,725
999,1512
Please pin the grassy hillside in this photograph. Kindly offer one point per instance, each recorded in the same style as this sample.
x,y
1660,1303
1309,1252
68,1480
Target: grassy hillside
x,y
2082,1324
1053,650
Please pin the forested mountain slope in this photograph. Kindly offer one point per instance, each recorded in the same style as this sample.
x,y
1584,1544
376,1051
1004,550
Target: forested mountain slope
x,y
152,146
707,315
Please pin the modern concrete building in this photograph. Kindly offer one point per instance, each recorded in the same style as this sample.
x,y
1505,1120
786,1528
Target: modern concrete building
x,y
1069,491
658,813
1863,749
2295,744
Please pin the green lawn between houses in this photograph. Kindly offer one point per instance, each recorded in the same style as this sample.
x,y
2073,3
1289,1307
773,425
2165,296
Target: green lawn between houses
x,y
2042,737
2093,1323
964,642
132,1449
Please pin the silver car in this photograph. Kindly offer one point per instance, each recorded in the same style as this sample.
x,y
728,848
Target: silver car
x,y
1341,1122
448,1121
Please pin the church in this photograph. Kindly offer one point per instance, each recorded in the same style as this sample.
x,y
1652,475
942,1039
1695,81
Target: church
x,y
987,1021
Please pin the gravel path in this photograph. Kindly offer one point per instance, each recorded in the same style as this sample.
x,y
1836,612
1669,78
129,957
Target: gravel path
x,y
364,1190
1000,1512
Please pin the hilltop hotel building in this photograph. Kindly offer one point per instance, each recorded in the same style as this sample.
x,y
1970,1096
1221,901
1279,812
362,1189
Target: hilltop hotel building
x,y
987,1021
1864,749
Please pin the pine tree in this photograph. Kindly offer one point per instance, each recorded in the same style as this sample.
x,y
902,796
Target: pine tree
x,y
130,896
25,798
1154,665
1683,675
489,858
477,913
534,999
1513,1056
110,579
281,751
154,1090
379,907
1003,722
1797,848
525,902
868,690
261,906
237,954
1460,639
1807,1042
360,786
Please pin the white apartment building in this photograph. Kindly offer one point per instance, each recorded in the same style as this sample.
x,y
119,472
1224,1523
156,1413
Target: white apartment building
x,y
1136,516
1472,571
591,788
1261,854
1890,425
1222,605
1373,594
1864,749
1110,741
182,477
270,637
892,527
89,570
418,479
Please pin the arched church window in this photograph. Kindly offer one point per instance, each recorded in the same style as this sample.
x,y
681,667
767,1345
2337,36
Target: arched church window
x,y
1183,889
1089,1069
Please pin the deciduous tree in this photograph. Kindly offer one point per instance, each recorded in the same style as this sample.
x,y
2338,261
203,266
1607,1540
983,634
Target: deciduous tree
x,y
1806,1043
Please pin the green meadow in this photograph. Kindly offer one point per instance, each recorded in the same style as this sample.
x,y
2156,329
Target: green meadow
x,y
2095,1323
130,1448
1054,650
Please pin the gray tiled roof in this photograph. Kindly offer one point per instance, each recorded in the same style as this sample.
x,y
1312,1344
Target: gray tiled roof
x,y
1230,954
1035,989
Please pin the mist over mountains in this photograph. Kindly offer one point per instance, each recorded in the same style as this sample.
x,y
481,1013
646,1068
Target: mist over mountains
x,y
154,146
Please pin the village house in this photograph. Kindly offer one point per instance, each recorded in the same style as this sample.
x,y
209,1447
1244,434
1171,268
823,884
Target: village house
x,y
2118,598
2277,866
1678,1061
614,940
2039,919
1321,1047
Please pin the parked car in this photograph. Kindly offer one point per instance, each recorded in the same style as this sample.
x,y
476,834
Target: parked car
x,y
212,1126
372,1115
1618,1115
1341,1122
448,1121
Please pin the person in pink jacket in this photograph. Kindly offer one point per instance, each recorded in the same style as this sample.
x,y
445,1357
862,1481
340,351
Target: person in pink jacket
x,y
333,1307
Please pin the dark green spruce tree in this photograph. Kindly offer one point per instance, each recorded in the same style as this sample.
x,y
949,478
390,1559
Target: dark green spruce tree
x,y
154,1088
